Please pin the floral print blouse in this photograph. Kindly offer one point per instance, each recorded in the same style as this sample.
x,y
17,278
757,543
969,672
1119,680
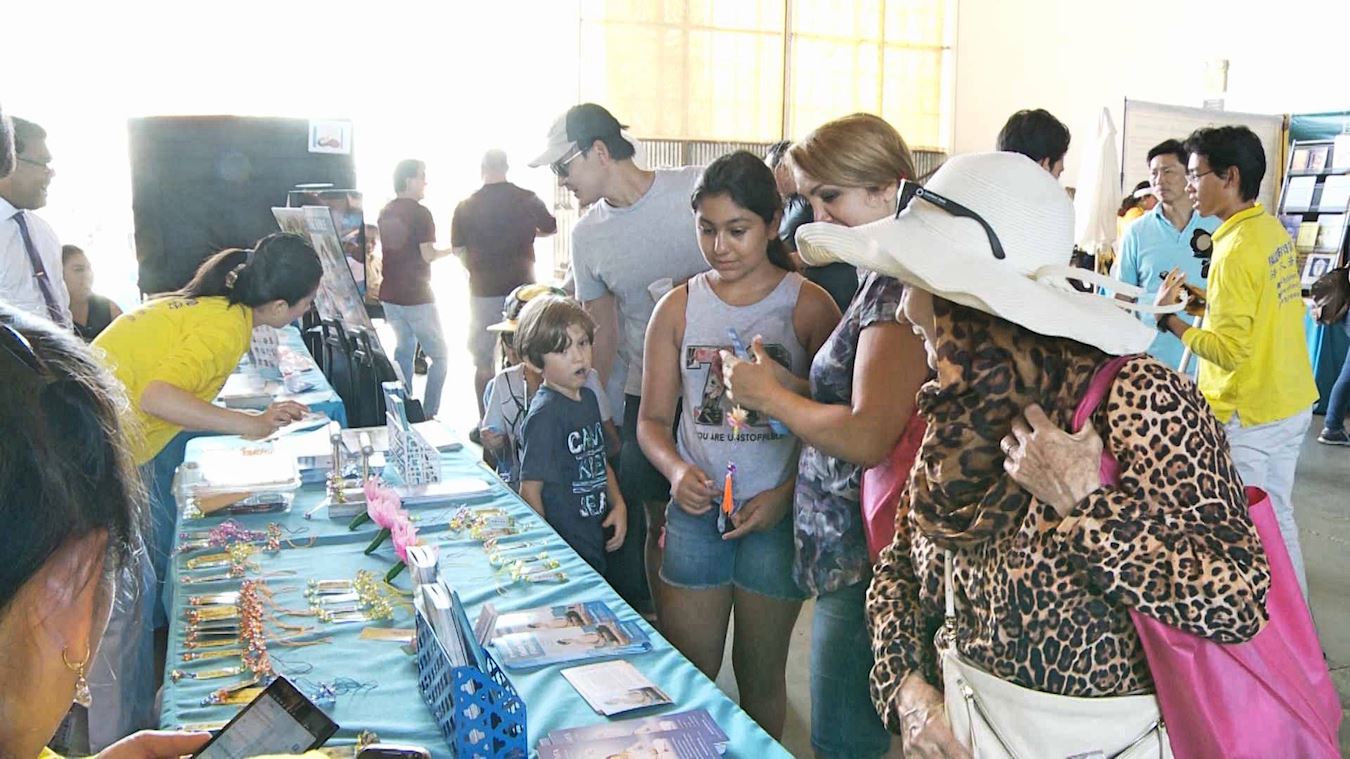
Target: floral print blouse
x,y
827,521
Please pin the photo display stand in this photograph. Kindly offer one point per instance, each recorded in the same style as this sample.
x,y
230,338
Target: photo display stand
x,y
416,461
262,350
480,713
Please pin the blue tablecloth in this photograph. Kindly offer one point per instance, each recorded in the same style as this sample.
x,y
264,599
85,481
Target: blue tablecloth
x,y
394,708
320,395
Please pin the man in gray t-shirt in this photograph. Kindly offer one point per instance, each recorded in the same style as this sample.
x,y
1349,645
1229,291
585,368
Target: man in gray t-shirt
x,y
633,245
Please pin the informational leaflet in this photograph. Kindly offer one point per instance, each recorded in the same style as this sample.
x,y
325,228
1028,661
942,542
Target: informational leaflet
x,y
615,687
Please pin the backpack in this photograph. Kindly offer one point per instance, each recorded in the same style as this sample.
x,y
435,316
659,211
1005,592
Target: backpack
x,y
1331,296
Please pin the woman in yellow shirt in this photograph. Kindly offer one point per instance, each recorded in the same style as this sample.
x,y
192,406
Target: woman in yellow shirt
x,y
72,514
173,355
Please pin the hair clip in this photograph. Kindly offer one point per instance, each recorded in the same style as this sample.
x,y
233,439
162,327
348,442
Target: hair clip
x,y
209,560
202,655
211,599
202,580
232,641
483,533
210,674
241,693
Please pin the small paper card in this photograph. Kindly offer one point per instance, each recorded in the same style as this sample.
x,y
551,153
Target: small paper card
x,y
615,687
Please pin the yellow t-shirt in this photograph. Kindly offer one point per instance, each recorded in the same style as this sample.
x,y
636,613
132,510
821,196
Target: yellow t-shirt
x,y
192,344
1253,343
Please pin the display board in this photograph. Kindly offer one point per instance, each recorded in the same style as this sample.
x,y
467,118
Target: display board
x,y
201,184
1147,124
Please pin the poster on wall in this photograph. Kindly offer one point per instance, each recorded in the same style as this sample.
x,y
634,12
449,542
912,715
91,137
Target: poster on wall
x,y
330,136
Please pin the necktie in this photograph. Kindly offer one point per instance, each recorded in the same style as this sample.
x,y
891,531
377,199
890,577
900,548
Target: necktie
x,y
39,271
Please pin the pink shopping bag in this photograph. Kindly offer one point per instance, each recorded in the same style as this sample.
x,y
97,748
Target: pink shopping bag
x,y
1271,696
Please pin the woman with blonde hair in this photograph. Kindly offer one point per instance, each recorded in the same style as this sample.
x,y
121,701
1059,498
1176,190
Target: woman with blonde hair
x,y
849,416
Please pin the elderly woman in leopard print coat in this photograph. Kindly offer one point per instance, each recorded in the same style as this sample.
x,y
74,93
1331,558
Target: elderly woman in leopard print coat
x,y
1048,562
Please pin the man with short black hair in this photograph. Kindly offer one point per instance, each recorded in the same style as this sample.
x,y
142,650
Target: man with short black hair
x,y
1038,135
839,279
30,253
1169,236
408,242
634,244
1254,366
493,234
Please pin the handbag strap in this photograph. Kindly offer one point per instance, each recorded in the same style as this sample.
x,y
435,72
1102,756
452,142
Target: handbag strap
x,y
1092,400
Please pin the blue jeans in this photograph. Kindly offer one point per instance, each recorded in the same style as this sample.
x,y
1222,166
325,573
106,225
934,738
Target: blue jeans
x,y
844,724
1339,402
413,325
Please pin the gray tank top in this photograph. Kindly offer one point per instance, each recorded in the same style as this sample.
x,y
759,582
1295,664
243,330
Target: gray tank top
x,y
706,439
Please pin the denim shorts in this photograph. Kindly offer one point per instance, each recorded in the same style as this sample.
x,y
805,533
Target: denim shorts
x,y
697,558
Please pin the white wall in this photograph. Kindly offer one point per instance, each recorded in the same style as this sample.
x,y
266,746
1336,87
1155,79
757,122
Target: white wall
x,y
1072,57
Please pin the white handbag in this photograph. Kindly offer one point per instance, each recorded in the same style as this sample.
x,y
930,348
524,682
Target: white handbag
x,y
997,719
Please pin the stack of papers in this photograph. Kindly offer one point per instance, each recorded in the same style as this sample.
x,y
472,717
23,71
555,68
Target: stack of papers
x,y
691,734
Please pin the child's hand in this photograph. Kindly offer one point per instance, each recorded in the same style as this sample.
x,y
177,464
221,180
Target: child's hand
x,y
618,519
759,513
492,440
692,489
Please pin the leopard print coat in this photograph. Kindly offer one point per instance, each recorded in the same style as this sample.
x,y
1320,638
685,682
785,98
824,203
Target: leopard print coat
x,y
1042,601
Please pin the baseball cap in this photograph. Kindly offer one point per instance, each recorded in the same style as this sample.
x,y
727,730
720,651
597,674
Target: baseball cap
x,y
515,303
581,125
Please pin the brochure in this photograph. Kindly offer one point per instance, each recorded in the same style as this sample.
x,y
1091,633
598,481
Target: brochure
x,y
615,687
602,640
1335,193
695,721
666,744
552,618
1299,193
1340,152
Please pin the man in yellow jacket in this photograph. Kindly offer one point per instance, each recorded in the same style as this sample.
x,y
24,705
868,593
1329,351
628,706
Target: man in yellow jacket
x,y
1254,367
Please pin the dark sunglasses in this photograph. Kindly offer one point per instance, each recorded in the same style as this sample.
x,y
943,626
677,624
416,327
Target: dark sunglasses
x,y
911,190
17,347
560,166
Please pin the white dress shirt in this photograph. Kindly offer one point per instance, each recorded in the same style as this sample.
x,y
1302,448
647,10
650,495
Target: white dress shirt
x,y
18,281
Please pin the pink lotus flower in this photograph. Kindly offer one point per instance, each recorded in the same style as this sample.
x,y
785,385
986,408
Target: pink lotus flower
x,y
382,504
405,534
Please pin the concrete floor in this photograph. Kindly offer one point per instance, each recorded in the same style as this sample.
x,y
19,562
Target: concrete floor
x,y
1322,505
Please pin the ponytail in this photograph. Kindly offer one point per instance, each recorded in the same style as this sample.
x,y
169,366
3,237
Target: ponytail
x,y
778,253
281,266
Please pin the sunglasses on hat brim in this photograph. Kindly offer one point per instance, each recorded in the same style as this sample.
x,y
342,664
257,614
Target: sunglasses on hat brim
x,y
911,190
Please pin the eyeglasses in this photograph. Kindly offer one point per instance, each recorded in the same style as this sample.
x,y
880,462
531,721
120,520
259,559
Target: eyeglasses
x,y
42,165
560,166
911,190
1193,178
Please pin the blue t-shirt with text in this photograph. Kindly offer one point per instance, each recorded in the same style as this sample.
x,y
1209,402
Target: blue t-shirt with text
x,y
564,448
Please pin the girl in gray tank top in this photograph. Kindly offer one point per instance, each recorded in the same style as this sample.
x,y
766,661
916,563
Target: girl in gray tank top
x,y
709,436
707,572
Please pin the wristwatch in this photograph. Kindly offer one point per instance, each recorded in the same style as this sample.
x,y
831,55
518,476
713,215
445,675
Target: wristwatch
x,y
1162,322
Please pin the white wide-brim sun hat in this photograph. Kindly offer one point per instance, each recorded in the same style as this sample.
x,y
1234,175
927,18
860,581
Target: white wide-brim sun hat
x,y
951,256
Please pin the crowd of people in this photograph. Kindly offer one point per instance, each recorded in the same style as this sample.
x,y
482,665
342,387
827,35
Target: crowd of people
x,y
745,344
